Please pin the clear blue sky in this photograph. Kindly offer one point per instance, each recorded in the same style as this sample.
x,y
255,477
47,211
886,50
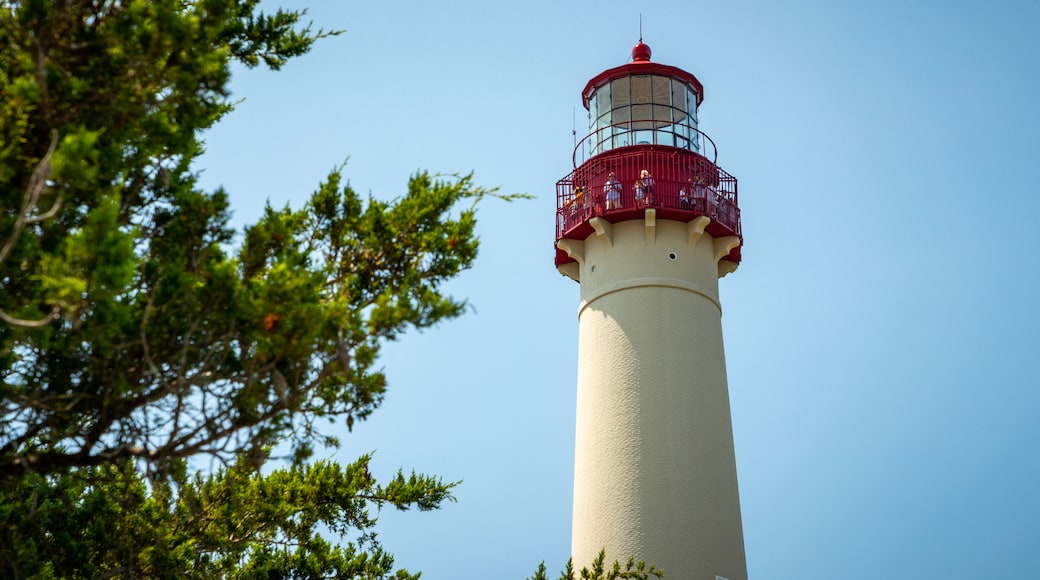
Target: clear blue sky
x,y
881,332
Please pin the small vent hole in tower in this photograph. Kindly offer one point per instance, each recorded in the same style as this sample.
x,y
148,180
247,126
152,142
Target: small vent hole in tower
x,y
671,255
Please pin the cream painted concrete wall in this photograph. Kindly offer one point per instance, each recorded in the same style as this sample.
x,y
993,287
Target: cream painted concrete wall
x,y
655,473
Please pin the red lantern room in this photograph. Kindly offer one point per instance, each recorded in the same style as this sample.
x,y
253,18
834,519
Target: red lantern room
x,y
645,152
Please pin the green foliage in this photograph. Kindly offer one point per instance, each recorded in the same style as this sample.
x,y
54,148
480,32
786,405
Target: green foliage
x,y
234,524
136,334
133,327
633,570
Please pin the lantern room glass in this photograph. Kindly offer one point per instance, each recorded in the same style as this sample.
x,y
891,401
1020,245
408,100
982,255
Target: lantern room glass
x,y
643,110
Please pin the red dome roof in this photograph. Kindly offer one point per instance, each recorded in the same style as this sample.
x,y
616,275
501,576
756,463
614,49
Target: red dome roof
x,y
641,52
641,65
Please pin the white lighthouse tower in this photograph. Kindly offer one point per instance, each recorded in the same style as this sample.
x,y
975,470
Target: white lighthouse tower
x,y
647,223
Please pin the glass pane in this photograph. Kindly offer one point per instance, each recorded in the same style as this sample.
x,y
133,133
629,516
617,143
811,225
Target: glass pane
x,y
602,100
602,133
662,114
640,89
642,115
662,90
619,96
592,112
621,136
622,115
682,136
665,136
679,96
695,138
693,107
594,137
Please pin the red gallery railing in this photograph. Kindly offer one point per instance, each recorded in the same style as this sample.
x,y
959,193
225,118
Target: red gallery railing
x,y
686,184
674,173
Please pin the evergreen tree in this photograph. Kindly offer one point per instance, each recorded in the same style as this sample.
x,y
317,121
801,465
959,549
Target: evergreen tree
x,y
137,333
632,570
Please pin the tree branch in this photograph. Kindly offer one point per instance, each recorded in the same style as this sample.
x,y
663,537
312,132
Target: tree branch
x,y
23,323
33,191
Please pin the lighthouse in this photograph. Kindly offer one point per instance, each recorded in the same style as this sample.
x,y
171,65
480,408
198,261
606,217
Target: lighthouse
x,y
647,223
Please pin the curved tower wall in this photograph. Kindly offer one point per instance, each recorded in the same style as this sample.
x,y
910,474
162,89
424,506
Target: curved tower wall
x,y
655,473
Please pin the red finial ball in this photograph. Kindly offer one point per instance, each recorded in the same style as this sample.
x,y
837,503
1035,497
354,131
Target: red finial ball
x,y
641,52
